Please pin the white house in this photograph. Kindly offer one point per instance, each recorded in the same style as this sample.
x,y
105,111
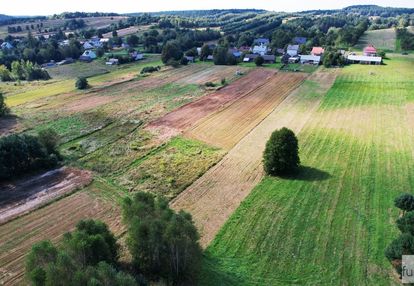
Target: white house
x,y
6,45
293,50
260,50
310,59
112,62
364,59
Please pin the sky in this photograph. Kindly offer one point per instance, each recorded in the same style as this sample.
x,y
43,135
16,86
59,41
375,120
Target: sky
x,y
49,7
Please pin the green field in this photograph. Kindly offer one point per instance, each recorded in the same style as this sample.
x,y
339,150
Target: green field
x,y
385,39
331,224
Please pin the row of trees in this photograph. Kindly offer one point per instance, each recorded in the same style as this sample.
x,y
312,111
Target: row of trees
x,y
23,70
163,245
404,243
22,154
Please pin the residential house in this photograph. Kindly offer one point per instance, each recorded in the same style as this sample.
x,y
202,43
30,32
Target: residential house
x,y
6,46
299,40
270,59
310,59
317,51
210,58
370,51
260,50
245,49
137,56
249,57
235,52
292,50
190,59
198,51
87,56
88,46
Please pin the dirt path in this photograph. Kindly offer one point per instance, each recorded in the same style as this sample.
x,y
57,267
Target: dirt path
x,y
214,197
23,196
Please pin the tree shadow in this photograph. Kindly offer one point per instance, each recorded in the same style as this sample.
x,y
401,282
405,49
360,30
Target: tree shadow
x,y
306,173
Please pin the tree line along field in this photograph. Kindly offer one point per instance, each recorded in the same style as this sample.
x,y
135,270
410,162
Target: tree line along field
x,y
329,226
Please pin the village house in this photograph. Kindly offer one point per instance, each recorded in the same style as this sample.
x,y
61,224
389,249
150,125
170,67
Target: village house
x,y
137,56
190,59
88,46
270,59
317,51
292,50
370,51
260,50
210,58
112,62
261,41
87,56
6,46
235,52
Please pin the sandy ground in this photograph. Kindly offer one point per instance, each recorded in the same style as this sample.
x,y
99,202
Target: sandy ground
x,y
20,197
217,194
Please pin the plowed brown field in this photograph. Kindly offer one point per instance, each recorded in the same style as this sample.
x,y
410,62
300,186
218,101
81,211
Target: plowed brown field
x,y
182,118
50,222
214,197
228,126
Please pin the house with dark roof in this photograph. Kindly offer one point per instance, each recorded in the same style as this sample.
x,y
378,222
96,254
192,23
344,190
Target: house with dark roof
x,y
299,40
261,41
6,46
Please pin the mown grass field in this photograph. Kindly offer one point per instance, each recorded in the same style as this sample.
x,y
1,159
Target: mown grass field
x,y
331,224
384,39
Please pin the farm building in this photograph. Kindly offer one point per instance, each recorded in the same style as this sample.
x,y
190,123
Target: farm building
x,y
317,51
293,50
235,52
271,59
261,41
370,51
65,62
87,56
260,50
299,40
190,59
364,59
210,58
6,46
310,59
249,57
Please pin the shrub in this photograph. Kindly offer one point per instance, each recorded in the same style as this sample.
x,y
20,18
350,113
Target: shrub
x,y
281,155
171,52
150,69
81,83
223,81
3,107
5,74
184,61
49,139
406,223
405,202
209,84
259,61
403,245
173,63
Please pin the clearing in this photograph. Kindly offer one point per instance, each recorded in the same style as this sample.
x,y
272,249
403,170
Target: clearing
x,y
384,39
330,224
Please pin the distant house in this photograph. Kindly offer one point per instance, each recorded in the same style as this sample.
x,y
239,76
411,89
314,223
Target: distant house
x,y
139,57
367,60
292,50
370,51
280,51
245,49
49,64
293,60
270,59
6,46
88,46
190,59
112,62
87,56
198,51
210,58
64,43
260,50
249,57
317,51
65,62
104,40
262,41
310,59
125,46
299,40
235,52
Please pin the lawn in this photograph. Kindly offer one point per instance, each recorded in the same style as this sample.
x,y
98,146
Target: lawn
x,y
331,224
384,39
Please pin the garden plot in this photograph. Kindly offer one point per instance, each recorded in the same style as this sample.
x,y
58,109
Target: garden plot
x,y
215,74
228,126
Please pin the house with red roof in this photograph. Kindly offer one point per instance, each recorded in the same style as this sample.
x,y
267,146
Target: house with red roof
x,y
370,51
317,51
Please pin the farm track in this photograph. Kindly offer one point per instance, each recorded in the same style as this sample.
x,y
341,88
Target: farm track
x,y
228,126
50,222
183,118
214,197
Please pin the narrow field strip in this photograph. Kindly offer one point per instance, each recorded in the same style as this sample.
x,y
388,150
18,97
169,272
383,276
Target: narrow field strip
x,y
227,127
214,197
182,118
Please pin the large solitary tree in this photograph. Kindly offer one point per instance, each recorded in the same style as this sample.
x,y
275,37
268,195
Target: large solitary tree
x,y
171,52
281,155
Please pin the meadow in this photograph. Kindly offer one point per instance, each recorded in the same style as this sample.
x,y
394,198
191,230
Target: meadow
x,y
384,39
331,223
